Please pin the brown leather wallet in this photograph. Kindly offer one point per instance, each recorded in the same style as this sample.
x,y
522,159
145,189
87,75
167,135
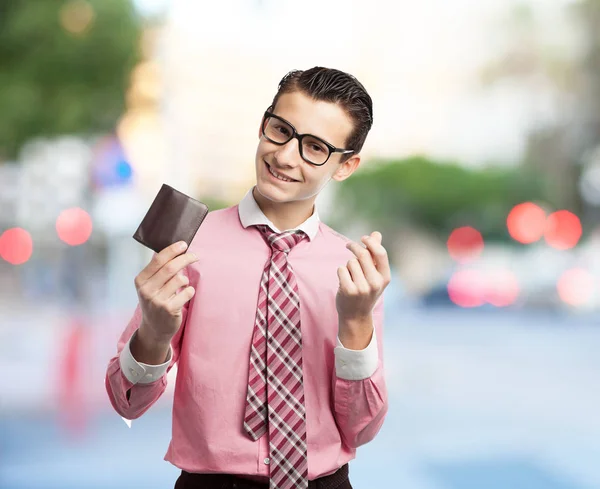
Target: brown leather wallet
x,y
172,217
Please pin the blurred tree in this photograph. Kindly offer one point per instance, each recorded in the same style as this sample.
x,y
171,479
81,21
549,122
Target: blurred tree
x,y
214,203
562,61
435,196
64,67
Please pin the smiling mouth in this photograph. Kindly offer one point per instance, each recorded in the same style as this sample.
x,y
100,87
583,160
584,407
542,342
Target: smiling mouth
x,y
281,178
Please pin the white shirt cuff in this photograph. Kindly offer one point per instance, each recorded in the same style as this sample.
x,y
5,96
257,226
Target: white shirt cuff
x,y
141,373
356,364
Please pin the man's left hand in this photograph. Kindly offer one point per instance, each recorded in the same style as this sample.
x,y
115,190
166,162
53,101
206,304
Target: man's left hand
x,y
362,281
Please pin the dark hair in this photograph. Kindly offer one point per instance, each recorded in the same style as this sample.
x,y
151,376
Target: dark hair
x,y
330,85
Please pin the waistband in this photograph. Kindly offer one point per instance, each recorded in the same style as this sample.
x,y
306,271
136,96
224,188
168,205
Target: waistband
x,y
189,480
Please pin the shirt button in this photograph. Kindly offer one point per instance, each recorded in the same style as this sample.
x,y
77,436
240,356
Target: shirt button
x,y
267,461
133,372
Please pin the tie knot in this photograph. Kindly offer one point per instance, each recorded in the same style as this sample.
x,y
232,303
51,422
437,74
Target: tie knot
x,y
281,241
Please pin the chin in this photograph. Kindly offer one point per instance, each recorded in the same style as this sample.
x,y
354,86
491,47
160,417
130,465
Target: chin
x,y
270,192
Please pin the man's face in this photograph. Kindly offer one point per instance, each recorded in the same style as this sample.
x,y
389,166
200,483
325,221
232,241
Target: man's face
x,y
325,120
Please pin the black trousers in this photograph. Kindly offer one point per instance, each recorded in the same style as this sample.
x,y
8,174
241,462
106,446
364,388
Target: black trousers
x,y
187,480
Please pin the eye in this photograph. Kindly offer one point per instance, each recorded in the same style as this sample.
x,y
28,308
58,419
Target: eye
x,y
283,129
316,148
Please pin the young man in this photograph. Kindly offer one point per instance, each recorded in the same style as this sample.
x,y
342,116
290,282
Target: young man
x,y
275,320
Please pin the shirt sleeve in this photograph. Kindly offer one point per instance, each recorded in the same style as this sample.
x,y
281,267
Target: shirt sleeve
x,y
133,387
141,373
360,391
356,364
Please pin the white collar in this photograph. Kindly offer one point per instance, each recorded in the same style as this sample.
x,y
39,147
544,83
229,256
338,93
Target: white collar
x,y
251,215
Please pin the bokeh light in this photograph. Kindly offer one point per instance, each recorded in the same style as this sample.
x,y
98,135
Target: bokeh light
x,y
502,288
465,244
110,165
563,230
74,226
526,222
16,246
576,286
465,288
77,16
123,170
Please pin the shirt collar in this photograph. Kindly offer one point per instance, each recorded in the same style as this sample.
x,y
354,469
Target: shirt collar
x,y
251,215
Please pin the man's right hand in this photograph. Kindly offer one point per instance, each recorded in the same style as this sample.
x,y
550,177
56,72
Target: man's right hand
x,y
157,285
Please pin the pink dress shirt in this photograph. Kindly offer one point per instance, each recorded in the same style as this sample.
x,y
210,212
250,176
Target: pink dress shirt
x,y
345,390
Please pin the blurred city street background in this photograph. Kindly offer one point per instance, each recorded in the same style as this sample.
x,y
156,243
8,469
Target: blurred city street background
x,y
482,171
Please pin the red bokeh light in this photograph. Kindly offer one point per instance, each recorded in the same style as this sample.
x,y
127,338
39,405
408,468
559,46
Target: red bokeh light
x,y
563,230
576,286
465,244
465,288
526,222
502,288
74,226
16,246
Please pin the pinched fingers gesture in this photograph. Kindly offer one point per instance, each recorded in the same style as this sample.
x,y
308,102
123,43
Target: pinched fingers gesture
x,y
363,279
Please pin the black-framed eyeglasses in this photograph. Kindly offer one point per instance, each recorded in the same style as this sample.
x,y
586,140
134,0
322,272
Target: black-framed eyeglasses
x,y
313,149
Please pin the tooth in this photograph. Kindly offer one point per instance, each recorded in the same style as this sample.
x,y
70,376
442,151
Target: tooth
x,y
279,176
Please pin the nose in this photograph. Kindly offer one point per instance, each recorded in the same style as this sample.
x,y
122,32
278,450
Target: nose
x,y
289,154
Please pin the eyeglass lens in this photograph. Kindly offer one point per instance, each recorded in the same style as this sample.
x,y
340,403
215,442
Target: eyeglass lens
x,y
279,132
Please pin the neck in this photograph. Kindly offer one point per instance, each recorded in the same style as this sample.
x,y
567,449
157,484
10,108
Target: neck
x,y
284,215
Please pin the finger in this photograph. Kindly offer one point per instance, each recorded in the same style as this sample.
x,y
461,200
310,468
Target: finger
x,y
172,268
366,261
358,277
378,253
172,286
346,283
179,300
160,259
167,272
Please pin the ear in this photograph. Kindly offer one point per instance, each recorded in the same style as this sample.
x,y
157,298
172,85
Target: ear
x,y
346,168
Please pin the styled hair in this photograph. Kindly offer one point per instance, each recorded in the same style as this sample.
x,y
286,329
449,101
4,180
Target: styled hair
x,y
331,85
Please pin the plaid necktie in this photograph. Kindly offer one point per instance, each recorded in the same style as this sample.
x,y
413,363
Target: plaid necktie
x,y
277,355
